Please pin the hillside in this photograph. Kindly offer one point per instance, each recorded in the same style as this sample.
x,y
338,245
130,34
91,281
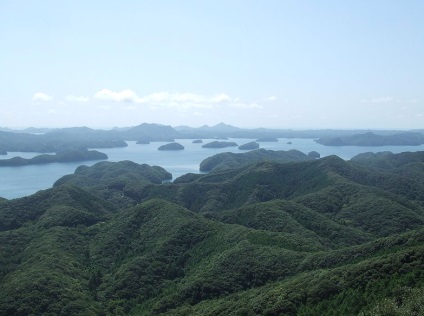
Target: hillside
x,y
317,237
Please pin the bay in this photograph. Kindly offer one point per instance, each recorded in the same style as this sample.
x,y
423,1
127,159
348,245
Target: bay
x,y
22,181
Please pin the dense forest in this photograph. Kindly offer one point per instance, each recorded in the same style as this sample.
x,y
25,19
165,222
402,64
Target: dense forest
x,y
252,237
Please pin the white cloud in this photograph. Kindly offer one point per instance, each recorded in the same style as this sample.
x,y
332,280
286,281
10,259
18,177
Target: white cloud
x,y
181,101
271,98
378,100
79,99
40,96
126,95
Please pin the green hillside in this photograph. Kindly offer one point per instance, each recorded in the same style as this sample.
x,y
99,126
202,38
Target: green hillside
x,y
318,237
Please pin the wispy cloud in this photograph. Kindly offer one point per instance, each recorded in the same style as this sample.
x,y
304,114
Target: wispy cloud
x,y
182,101
271,98
378,100
79,99
41,97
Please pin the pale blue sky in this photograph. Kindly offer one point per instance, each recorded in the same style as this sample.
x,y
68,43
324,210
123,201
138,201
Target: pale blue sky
x,y
281,64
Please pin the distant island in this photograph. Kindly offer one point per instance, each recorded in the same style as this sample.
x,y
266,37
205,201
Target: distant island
x,y
267,140
65,156
218,144
372,139
249,146
144,141
197,141
54,140
171,146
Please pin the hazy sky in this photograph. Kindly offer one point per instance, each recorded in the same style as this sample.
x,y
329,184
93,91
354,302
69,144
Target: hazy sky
x,y
282,64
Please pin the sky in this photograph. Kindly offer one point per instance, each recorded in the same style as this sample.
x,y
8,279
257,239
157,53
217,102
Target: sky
x,y
354,64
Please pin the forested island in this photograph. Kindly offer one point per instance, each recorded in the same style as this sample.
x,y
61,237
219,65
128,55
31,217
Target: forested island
x,y
171,146
219,144
63,156
313,237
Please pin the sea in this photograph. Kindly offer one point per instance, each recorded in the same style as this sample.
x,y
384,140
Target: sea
x,y
21,181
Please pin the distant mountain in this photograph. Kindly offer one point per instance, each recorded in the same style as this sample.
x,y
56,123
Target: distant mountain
x,y
152,132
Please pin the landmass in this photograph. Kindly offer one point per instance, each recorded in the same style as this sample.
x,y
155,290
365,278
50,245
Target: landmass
x,y
219,144
315,237
64,156
232,160
249,146
171,146
3,152
371,139
197,141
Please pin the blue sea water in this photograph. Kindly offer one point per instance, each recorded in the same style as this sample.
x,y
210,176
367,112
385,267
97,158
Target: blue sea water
x,y
22,181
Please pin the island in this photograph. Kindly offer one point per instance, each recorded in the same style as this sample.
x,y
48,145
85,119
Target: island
x,y
267,140
289,143
197,141
171,146
218,144
64,156
249,146
372,139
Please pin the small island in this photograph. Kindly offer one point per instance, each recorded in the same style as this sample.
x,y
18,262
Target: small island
x,y
267,140
171,146
249,146
217,144
64,156
197,141
289,143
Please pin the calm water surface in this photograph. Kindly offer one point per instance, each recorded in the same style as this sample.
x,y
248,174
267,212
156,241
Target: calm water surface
x,y
21,181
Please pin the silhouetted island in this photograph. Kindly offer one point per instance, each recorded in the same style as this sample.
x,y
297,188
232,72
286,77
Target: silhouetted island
x,y
64,156
218,144
197,141
171,146
249,146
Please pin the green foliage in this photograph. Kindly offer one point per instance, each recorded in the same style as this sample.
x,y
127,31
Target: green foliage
x,y
320,237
